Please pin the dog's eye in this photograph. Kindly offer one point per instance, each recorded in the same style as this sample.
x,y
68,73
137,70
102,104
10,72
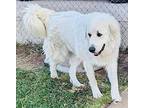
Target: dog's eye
x,y
89,34
99,34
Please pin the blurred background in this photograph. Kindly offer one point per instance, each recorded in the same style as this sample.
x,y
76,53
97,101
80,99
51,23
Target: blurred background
x,y
117,8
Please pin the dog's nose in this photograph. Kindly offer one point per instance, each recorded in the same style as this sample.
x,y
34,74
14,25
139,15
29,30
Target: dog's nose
x,y
92,49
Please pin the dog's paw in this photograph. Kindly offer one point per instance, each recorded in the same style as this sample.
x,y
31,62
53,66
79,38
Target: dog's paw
x,y
76,83
97,94
79,85
78,88
54,76
117,99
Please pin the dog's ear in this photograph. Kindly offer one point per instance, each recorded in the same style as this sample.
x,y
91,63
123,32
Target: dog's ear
x,y
115,35
114,29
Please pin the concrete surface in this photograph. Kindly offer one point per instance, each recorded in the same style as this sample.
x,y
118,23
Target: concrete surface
x,y
123,103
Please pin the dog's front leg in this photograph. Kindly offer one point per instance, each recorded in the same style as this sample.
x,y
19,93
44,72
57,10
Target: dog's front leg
x,y
112,75
92,80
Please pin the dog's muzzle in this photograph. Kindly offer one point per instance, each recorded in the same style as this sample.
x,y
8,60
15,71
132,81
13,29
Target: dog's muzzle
x,y
97,54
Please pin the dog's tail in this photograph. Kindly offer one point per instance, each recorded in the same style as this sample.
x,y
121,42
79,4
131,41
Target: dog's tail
x,y
35,21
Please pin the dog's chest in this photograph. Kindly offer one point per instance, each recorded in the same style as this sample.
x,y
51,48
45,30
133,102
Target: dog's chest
x,y
100,60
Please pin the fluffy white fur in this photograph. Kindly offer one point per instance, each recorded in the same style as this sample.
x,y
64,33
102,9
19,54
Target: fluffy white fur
x,y
67,40
31,26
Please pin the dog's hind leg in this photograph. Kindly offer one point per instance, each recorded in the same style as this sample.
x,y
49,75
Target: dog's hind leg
x,y
74,63
53,72
47,47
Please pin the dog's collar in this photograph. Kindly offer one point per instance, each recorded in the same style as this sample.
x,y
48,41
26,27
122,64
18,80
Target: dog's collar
x,y
97,54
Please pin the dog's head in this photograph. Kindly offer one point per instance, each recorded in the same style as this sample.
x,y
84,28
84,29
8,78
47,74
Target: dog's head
x,y
100,34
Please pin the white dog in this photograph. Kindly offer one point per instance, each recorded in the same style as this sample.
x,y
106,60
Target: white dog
x,y
91,39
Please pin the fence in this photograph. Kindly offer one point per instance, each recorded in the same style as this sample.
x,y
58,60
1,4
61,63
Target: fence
x,y
118,10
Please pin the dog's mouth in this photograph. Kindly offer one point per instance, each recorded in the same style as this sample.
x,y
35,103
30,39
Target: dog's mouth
x,y
97,54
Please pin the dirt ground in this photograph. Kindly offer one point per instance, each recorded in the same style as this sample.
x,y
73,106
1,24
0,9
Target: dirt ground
x,y
30,57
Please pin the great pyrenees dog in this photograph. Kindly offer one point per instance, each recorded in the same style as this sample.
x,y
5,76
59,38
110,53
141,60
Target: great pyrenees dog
x,y
88,40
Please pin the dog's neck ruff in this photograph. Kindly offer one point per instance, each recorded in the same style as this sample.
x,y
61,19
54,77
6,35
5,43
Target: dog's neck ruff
x,y
97,54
